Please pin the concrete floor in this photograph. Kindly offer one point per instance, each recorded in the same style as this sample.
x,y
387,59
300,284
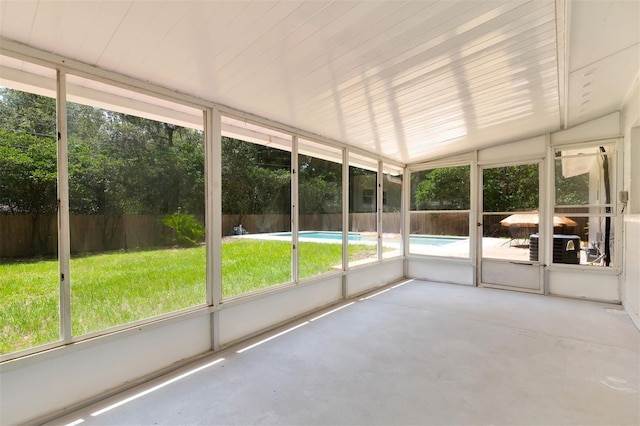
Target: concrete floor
x,y
419,353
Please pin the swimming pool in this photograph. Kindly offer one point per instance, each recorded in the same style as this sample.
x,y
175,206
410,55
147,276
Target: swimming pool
x,y
431,240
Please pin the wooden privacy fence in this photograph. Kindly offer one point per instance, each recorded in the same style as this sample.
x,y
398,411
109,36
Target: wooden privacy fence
x,y
30,236
24,236
358,222
439,223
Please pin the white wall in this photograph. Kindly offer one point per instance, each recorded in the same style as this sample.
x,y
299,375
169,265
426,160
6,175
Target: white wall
x,y
261,313
630,278
443,270
48,382
600,128
528,149
370,276
593,283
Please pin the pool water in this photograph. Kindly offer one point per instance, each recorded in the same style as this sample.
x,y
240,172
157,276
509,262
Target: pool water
x,y
432,240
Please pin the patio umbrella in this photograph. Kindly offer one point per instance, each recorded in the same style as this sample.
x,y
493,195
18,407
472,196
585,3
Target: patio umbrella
x,y
531,220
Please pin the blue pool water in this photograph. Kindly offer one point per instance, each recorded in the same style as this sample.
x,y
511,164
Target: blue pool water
x,y
434,240
356,236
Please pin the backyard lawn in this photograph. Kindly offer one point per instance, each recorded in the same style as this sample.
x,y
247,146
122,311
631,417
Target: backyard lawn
x,y
115,288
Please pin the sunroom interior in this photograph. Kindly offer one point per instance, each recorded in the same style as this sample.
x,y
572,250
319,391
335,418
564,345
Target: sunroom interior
x,y
182,177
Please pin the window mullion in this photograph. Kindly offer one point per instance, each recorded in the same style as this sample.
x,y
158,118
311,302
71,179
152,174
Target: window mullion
x,y
294,209
64,247
379,207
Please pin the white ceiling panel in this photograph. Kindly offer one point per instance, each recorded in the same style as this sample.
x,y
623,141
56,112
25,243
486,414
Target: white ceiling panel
x,y
135,34
408,80
604,57
600,28
105,21
17,19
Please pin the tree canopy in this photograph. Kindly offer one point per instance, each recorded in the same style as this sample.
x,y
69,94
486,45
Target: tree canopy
x,y
445,188
121,164
509,188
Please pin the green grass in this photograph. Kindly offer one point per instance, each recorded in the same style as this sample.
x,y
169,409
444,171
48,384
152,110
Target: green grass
x,y
116,288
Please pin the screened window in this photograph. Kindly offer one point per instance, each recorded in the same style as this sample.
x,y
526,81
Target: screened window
x,y
136,200
29,284
391,211
363,224
256,207
440,208
585,188
320,209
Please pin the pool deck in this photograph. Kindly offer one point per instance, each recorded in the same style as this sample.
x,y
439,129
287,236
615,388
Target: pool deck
x,y
492,248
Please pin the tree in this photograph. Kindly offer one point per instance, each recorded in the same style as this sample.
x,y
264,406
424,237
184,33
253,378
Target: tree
x,y
446,188
320,186
506,189
510,188
118,164
255,179
22,112
28,168
28,173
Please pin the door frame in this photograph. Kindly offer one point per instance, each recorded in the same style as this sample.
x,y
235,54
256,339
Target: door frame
x,y
507,265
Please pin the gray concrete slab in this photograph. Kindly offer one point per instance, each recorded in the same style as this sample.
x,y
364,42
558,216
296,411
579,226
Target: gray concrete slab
x,y
420,353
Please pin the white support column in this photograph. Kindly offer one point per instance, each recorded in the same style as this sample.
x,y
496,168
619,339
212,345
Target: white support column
x,y
403,223
475,221
379,206
406,216
547,201
64,245
545,219
345,221
474,217
213,200
294,210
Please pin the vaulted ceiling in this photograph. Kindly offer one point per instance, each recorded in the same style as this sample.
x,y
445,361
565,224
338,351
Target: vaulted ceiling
x,y
408,80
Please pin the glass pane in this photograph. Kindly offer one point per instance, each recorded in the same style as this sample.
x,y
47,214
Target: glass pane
x,y
510,188
391,213
363,228
595,233
513,234
136,191
256,208
585,176
320,210
440,234
29,286
513,237
585,195
445,188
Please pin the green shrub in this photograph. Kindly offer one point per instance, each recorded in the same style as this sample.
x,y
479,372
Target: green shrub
x,y
186,228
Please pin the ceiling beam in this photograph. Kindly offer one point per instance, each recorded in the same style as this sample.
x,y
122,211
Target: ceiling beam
x,y
562,44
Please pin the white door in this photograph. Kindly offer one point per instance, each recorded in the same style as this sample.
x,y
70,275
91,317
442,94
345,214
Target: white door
x,y
508,239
